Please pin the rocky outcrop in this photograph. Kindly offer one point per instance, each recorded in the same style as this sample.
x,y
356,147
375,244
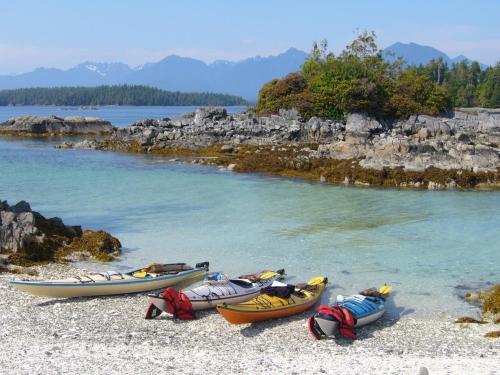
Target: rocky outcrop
x,y
27,236
208,126
54,125
464,141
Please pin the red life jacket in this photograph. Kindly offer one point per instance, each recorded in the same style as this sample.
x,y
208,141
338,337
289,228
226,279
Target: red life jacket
x,y
178,304
344,317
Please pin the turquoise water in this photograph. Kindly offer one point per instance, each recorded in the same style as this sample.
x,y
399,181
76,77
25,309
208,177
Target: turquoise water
x,y
424,243
119,116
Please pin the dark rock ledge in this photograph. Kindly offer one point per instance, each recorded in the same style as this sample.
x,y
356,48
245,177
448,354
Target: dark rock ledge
x,y
27,237
54,125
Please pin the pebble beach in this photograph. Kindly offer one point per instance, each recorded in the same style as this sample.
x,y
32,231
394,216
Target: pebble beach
x,y
109,335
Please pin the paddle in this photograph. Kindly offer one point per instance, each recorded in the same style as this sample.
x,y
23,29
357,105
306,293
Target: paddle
x,y
385,290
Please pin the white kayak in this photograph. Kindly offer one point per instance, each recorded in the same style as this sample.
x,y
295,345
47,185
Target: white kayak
x,y
152,277
366,307
229,291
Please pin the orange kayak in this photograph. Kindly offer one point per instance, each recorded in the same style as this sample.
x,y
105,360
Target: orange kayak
x,y
266,307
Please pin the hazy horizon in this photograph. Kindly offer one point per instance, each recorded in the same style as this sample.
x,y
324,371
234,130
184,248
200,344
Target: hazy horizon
x,y
62,34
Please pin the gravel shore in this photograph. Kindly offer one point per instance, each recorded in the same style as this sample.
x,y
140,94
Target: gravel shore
x,y
109,335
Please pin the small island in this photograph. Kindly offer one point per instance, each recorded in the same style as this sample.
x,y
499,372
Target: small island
x,y
113,95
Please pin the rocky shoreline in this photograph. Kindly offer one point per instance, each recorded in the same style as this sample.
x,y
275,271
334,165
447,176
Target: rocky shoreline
x,y
457,152
109,334
55,126
461,151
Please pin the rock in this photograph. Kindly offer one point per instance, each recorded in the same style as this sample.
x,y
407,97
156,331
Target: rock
x,y
231,167
423,134
361,123
64,145
227,148
27,236
4,259
100,245
209,114
452,185
289,114
86,145
52,125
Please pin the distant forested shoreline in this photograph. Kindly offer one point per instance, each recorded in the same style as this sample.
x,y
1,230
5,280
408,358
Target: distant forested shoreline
x,y
113,95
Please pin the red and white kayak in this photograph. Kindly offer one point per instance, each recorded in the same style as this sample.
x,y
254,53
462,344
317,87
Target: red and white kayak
x,y
230,291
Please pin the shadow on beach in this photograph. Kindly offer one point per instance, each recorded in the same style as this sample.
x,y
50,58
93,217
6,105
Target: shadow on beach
x,y
393,312
256,328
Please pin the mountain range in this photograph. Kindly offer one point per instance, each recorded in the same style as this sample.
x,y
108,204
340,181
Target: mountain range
x,y
416,54
174,73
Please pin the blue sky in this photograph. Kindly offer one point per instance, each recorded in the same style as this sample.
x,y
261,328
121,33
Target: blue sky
x,y
62,33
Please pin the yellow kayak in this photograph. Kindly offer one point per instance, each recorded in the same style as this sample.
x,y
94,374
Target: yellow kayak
x,y
268,306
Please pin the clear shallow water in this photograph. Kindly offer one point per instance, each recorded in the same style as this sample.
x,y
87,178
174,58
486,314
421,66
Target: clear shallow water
x,y
118,116
423,243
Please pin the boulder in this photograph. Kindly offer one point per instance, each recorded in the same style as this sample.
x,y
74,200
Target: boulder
x,y
210,113
227,148
362,123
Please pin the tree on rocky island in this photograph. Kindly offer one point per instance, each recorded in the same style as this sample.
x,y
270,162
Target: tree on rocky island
x,y
358,80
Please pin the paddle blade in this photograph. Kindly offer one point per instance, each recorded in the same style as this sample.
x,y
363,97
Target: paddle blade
x,y
152,312
267,275
317,281
385,290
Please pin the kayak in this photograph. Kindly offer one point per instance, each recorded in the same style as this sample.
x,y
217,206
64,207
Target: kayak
x,y
364,308
218,289
270,304
155,276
